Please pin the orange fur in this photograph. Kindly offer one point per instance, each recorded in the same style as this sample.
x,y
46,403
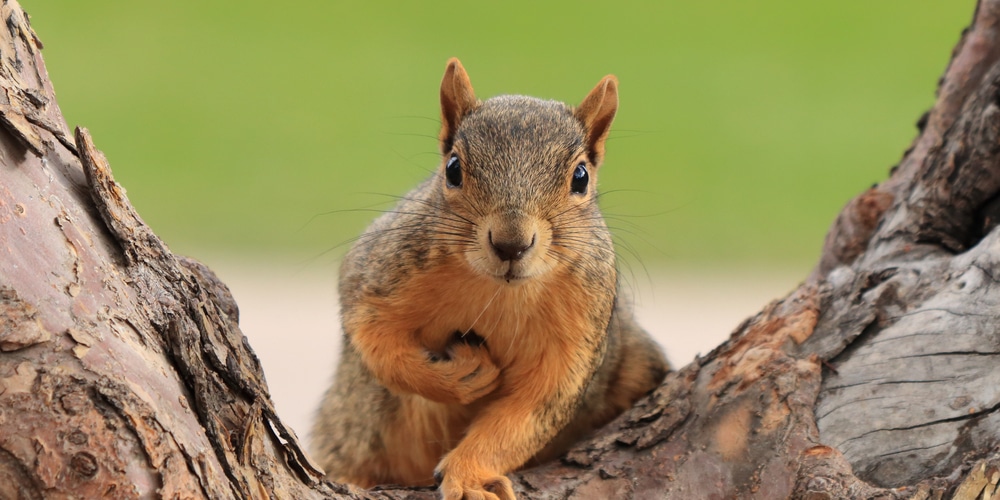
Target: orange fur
x,y
532,332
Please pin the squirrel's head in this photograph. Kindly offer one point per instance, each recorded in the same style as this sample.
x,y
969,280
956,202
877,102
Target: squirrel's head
x,y
522,172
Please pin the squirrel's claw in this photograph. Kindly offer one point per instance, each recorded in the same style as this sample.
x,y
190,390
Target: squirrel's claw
x,y
473,485
462,375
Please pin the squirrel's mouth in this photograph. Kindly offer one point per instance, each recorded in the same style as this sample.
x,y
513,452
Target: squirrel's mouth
x,y
510,272
515,273
511,275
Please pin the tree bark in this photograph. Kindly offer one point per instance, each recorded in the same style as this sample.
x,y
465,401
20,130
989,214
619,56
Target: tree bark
x,y
123,372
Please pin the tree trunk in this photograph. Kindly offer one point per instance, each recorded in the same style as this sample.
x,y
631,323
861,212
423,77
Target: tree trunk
x,y
123,372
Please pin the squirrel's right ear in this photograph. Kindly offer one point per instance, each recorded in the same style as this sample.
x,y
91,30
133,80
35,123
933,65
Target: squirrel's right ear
x,y
596,112
457,99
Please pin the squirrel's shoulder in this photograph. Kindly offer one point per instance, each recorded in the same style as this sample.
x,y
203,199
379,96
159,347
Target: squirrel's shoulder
x,y
394,244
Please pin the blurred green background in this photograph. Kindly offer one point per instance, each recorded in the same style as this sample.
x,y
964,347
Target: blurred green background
x,y
744,126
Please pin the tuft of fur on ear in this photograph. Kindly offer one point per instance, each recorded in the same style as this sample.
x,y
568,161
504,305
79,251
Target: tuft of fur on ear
x,y
596,112
457,99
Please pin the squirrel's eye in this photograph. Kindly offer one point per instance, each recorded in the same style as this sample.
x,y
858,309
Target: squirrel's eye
x,y
580,179
453,172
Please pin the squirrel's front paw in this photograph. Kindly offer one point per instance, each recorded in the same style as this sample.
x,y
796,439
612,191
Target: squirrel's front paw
x,y
461,480
465,375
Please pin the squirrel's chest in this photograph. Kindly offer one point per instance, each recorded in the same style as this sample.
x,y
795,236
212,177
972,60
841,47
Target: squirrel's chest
x,y
516,321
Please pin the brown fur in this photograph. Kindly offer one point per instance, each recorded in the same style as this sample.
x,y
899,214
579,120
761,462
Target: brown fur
x,y
458,362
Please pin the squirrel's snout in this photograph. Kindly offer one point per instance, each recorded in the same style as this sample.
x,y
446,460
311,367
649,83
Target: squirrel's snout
x,y
510,250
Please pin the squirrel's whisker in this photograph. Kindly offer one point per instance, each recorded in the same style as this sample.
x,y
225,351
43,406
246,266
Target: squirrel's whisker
x,y
487,306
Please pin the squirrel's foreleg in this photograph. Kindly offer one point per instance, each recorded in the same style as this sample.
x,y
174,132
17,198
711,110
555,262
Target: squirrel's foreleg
x,y
398,360
515,426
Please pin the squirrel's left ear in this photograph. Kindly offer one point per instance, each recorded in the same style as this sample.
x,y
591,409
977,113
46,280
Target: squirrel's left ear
x,y
457,99
596,112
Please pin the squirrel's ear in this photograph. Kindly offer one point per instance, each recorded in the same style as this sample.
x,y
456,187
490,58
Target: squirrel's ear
x,y
596,112
457,99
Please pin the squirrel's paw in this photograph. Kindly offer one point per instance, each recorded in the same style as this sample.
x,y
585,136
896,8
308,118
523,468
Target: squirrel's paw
x,y
465,376
463,481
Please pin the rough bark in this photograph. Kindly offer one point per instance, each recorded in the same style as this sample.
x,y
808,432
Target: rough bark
x,y
123,372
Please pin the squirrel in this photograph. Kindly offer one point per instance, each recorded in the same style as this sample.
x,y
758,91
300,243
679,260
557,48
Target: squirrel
x,y
484,330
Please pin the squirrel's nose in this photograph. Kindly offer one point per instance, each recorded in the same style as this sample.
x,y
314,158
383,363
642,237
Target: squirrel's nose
x,y
510,250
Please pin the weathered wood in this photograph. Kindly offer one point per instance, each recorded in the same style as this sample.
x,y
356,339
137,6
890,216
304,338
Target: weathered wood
x,y
912,324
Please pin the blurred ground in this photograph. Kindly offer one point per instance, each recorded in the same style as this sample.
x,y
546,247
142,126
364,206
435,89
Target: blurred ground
x,y
289,313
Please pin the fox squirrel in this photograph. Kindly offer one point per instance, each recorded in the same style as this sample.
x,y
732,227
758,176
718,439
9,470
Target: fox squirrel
x,y
484,330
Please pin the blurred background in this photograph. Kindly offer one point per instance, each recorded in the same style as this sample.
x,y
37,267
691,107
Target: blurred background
x,y
260,139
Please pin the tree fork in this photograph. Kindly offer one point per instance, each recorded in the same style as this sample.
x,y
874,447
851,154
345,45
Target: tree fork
x,y
123,372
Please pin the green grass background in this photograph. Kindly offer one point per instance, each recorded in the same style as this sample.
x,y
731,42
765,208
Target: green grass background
x,y
744,126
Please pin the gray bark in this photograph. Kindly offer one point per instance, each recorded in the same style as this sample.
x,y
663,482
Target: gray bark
x,y
912,323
